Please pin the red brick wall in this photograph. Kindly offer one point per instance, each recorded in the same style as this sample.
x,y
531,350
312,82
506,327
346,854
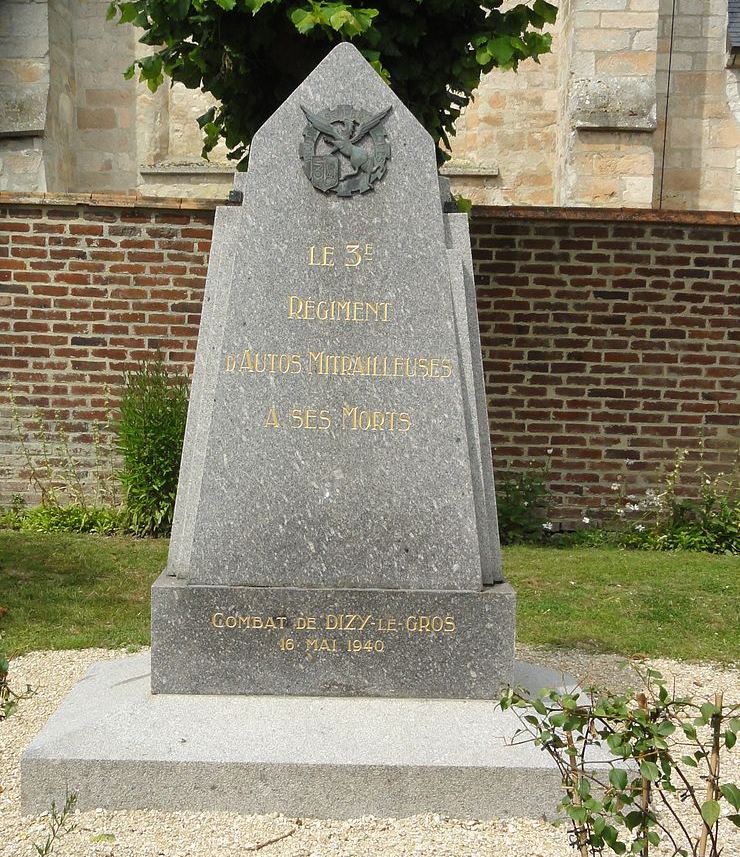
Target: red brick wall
x,y
608,338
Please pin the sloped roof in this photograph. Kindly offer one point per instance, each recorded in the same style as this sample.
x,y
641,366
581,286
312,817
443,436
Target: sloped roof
x,y
733,25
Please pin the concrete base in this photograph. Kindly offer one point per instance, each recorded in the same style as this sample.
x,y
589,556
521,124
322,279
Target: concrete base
x,y
118,746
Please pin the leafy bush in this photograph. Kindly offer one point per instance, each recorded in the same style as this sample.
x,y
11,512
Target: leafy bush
x,y
150,435
666,522
658,519
11,516
522,501
665,766
70,519
251,54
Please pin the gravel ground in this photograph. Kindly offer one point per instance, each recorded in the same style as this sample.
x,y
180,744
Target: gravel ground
x,y
151,834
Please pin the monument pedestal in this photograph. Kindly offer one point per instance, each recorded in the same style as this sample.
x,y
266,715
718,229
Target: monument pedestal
x,y
348,642
118,746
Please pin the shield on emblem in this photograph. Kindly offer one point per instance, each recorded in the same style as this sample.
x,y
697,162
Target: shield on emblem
x,y
324,172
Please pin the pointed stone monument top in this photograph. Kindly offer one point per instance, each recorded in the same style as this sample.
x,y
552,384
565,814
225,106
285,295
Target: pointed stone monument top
x,y
336,446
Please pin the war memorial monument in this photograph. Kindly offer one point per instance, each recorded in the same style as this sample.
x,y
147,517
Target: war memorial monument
x,y
332,628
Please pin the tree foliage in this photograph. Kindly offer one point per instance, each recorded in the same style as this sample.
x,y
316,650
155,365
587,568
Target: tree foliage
x,y
251,54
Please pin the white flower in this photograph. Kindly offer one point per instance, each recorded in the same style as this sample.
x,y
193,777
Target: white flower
x,y
640,528
547,525
620,512
630,462
586,520
549,451
615,486
632,507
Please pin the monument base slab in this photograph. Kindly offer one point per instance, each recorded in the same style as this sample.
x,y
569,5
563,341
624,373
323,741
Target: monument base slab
x,y
331,642
118,746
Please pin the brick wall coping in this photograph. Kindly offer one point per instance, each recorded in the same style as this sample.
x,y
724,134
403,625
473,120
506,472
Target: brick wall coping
x,y
498,212
637,215
109,200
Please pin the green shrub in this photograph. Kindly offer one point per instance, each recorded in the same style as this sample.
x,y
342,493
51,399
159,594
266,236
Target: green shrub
x,y
522,501
248,55
660,520
150,435
11,516
70,519
666,753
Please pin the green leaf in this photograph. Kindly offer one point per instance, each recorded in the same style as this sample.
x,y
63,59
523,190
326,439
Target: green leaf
x,y
584,788
500,49
111,13
689,760
735,819
650,771
666,728
708,711
340,18
618,778
731,793
303,20
653,837
633,819
730,739
545,10
578,813
537,704
482,56
129,12
182,7
710,812
689,731
228,5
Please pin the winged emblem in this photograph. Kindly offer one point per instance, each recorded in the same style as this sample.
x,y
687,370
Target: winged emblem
x,y
344,136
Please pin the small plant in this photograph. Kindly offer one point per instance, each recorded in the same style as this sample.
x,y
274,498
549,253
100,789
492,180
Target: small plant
x,y
59,822
522,501
70,519
664,766
68,503
12,515
9,699
661,520
463,203
150,436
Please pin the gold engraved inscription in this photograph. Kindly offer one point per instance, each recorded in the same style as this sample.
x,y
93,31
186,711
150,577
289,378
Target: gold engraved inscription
x,y
322,256
350,418
324,363
378,365
337,309
338,633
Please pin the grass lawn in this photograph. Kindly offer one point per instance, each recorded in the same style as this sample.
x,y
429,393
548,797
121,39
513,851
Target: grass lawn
x,y
67,592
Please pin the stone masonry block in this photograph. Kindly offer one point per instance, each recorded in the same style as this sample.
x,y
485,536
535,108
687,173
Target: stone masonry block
x,y
101,117
613,103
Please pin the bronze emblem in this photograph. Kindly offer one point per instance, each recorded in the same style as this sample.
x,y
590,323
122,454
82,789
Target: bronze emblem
x,y
345,150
